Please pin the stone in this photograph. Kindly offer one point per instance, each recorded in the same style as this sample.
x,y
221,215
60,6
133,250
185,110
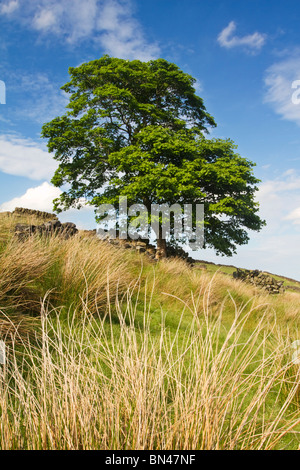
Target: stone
x,y
143,244
260,279
201,266
19,211
54,226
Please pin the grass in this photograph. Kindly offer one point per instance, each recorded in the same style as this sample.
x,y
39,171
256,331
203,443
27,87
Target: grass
x,y
108,350
201,387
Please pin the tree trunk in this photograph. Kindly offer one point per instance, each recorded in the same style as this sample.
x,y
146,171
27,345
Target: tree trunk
x,y
161,244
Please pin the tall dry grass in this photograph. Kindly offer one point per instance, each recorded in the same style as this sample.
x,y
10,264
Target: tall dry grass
x,y
201,387
22,265
83,270
22,269
72,273
68,268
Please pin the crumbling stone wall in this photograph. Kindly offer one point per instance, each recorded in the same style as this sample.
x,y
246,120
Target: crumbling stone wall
x,y
21,211
66,230
140,246
260,279
144,246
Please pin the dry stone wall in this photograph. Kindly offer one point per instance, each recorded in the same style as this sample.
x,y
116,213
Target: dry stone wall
x,y
51,227
260,279
21,211
140,246
144,246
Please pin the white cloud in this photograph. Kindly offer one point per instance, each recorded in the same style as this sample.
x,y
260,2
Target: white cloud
x,y
24,157
71,20
110,23
280,201
9,7
38,198
294,216
253,41
121,35
44,20
198,86
279,80
36,97
41,198
39,99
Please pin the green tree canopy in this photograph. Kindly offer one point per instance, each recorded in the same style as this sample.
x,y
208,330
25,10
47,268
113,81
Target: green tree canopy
x,y
138,129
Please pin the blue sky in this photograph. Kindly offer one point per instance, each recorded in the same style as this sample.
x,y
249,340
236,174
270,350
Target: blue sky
x,y
245,56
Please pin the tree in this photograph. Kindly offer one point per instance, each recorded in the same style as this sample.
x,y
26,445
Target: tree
x,y
138,129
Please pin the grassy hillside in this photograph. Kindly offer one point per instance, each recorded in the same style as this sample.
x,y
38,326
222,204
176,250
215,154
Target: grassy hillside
x,y
108,349
289,284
